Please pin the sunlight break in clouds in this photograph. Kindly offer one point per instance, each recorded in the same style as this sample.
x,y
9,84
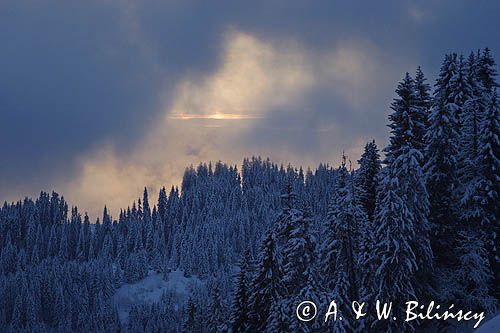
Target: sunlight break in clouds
x,y
205,121
252,76
214,116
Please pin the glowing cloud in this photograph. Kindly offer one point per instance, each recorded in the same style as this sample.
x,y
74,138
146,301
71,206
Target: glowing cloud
x,y
214,117
253,76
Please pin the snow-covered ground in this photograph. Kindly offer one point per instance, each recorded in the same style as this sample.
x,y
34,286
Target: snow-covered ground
x,y
151,288
491,326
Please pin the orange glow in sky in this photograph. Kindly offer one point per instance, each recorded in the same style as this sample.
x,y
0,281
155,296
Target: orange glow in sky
x,y
214,116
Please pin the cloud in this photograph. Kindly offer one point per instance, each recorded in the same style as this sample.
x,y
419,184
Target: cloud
x,y
91,86
354,71
253,77
222,115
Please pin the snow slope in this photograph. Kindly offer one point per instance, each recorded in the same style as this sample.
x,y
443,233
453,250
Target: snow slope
x,y
491,326
150,290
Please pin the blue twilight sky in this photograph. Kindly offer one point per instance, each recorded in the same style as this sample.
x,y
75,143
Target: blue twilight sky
x,y
101,98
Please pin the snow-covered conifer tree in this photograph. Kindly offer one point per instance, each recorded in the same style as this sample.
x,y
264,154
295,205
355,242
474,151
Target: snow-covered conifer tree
x,y
191,324
239,321
393,256
423,99
475,275
441,166
267,287
470,119
341,260
217,313
487,193
407,124
486,71
367,178
299,274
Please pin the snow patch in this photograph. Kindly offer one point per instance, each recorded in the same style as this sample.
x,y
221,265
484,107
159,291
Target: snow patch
x,y
150,290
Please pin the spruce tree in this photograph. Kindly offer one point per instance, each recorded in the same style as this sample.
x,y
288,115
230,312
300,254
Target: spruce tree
x,y
299,276
145,206
80,246
470,119
404,159
413,191
217,312
63,245
162,204
289,213
402,254
35,257
239,321
107,248
191,324
441,167
461,91
366,178
298,254
52,246
393,256
423,98
475,273
486,71
488,186
341,259
478,171
406,122
267,287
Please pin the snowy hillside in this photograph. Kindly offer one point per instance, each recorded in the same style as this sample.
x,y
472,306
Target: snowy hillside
x,y
151,289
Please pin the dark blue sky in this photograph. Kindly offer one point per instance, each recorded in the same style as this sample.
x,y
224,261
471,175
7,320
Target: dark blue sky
x,y
88,81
